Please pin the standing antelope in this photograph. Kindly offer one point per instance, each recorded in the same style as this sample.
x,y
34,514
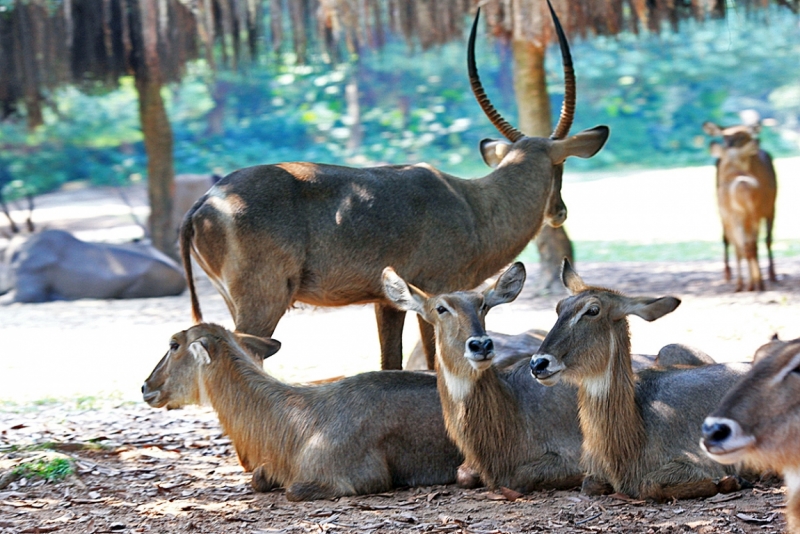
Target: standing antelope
x,y
272,235
512,431
758,421
363,434
746,190
641,430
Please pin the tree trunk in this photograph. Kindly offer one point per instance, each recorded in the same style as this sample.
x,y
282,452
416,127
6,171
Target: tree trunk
x,y
157,135
533,104
160,171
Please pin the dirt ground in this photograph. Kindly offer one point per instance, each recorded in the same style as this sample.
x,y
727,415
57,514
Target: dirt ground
x,y
138,469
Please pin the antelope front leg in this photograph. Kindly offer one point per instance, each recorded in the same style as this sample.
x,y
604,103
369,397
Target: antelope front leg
x,y
772,277
550,471
390,332
725,257
679,480
428,340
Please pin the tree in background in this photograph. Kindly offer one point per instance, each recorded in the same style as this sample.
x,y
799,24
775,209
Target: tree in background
x,y
93,43
526,26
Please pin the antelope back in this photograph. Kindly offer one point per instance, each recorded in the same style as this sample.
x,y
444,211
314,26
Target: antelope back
x,y
176,380
759,419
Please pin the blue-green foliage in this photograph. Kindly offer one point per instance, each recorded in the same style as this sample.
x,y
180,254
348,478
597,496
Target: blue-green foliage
x,y
654,92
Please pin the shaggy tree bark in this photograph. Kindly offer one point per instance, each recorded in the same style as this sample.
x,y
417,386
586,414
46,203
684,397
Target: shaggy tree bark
x,y
533,104
160,171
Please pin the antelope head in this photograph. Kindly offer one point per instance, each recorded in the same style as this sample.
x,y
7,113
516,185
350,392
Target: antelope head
x,y
458,318
758,420
557,148
739,143
590,331
176,379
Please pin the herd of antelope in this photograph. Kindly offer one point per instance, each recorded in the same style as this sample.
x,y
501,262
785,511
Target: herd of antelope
x,y
581,411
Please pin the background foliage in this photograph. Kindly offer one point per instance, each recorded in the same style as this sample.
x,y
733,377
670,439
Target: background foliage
x,y
654,92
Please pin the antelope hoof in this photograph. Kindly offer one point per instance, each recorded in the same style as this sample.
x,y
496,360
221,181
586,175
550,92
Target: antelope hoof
x,y
468,478
732,483
261,482
596,486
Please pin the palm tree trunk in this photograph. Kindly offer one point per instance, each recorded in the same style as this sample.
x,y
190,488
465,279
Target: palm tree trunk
x,y
533,104
160,170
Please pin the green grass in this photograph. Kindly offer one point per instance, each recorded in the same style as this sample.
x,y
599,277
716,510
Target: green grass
x,y
52,469
616,251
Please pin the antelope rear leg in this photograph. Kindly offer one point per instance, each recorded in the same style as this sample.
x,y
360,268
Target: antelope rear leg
x,y
310,491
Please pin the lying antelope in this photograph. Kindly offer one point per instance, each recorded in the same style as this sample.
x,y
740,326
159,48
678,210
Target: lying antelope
x,y
758,421
746,191
363,434
272,235
512,431
641,430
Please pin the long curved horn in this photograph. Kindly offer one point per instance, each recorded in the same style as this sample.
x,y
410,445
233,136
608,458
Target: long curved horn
x,y
568,106
510,133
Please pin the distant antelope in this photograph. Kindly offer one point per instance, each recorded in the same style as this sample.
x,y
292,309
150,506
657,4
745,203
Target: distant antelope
x,y
746,191
363,434
641,430
758,421
513,432
272,235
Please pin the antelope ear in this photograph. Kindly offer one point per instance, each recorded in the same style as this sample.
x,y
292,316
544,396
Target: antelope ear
x,y
648,309
583,144
494,150
570,278
507,287
402,294
263,347
712,129
199,349
716,149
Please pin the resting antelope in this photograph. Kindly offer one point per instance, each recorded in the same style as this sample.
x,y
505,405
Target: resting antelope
x,y
363,434
758,421
272,235
641,430
512,431
746,191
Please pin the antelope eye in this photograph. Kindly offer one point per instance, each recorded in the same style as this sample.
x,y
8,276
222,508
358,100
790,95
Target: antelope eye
x,y
173,346
593,310
441,310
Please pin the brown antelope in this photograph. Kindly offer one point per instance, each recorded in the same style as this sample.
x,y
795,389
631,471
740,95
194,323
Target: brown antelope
x,y
758,421
272,235
746,191
641,430
512,431
363,434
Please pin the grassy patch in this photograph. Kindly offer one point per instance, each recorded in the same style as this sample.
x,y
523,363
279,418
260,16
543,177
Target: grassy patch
x,y
614,251
50,469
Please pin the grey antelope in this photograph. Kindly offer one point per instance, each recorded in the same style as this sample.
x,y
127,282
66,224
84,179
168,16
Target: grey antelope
x,y
272,235
641,430
746,191
758,421
512,431
363,434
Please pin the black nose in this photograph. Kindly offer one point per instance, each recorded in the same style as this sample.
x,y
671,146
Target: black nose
x,y
481,346
539,366
716,432
142,388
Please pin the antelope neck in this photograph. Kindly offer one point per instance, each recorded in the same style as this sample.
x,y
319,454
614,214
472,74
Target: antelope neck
x,y
610,418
